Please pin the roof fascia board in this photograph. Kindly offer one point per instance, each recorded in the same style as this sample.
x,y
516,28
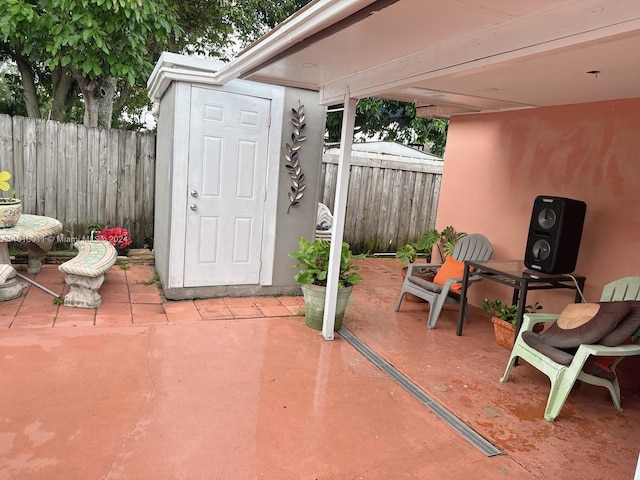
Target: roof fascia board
x,y
571,24
172,67
166,75
314,18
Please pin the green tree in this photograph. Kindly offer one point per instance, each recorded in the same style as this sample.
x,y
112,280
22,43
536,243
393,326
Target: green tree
x,y
91,43
107,47
391,120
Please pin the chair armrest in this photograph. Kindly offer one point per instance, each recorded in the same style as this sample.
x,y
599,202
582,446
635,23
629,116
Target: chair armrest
x,y
598,350
416,267
530,319
453,280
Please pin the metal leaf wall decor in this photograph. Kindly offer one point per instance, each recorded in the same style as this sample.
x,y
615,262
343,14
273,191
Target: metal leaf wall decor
x,y
291,157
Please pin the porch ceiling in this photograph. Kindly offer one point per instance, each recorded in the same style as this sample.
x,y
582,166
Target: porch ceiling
x,y
454,56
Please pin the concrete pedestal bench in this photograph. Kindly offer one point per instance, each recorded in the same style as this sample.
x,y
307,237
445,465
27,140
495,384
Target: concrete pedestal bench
x,y
86,272
10,288
7,272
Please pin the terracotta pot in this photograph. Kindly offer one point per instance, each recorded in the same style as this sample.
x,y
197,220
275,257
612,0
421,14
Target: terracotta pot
x,y
505,333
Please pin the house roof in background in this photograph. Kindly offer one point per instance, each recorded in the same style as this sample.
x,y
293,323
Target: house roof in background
x,y
451,56
386,150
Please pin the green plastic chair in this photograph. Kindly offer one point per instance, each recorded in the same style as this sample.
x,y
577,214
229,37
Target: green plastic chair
x,y
564,377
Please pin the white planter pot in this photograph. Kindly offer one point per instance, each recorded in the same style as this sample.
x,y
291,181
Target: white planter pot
x,y
10,212
314,297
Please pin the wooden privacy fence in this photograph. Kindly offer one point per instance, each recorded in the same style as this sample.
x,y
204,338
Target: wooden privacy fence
x,y
81,175
390,203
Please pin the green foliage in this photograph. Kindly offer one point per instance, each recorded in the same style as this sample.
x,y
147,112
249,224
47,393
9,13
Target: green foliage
x,y
95,225
314,257
11,92
214,28
407,253
96,40
506,312
61,43
445,241
391,120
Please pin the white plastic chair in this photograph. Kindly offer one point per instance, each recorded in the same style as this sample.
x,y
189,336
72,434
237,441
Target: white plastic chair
x,y
324,219
563,377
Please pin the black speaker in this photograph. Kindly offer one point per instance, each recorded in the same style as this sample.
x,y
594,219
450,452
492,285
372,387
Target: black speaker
x,y
554,234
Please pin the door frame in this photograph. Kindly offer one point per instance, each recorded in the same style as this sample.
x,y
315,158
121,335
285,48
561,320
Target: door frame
x,y
179,173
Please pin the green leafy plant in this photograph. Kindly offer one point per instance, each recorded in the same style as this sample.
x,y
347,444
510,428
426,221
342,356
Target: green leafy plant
x,y
95,225
314,258
445,241
506,312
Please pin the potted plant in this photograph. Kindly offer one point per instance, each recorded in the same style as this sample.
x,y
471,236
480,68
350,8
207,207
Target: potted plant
x,y
504,318
314,258
445,241
119,237
10,207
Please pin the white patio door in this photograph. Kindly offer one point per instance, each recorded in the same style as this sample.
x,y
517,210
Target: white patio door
x,y
228,148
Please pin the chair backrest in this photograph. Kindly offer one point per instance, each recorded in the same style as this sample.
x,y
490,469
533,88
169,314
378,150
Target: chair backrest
x,y
474,247
324,215
627,288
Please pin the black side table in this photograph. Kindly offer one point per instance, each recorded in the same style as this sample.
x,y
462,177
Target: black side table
x,y
514,274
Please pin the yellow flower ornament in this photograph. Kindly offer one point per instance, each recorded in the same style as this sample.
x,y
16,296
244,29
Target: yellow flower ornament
x,y
4,184
10,208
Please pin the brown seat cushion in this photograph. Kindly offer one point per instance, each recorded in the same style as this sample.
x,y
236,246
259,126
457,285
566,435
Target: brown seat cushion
x,y
535,341
626,328
563,357
432,287
574,328
426,284
593,368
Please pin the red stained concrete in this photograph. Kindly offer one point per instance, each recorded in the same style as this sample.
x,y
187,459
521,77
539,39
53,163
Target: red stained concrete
x,y
193,397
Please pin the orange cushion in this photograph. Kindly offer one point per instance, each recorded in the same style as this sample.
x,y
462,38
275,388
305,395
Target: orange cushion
x,y
451,268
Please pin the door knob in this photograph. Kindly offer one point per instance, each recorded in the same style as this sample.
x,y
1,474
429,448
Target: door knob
x,y
193,207
194,193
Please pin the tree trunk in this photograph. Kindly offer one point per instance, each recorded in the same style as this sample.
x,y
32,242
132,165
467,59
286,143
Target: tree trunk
x,y
98,95
29,88
107,93
90,105
62,82
118,104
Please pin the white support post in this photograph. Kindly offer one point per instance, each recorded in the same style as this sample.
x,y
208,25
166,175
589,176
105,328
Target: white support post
x,y
339,211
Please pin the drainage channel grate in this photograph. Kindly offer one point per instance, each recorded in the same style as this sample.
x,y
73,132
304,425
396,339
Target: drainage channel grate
x,y
450,419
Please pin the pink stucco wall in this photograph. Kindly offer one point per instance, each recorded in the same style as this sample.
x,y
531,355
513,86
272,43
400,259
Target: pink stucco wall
x,y
496,164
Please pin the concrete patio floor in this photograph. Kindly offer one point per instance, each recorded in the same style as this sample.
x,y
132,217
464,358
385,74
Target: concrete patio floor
x,y
242,389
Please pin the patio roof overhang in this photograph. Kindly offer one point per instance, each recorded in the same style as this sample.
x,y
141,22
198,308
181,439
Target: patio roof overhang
x,y
453,57
449,57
